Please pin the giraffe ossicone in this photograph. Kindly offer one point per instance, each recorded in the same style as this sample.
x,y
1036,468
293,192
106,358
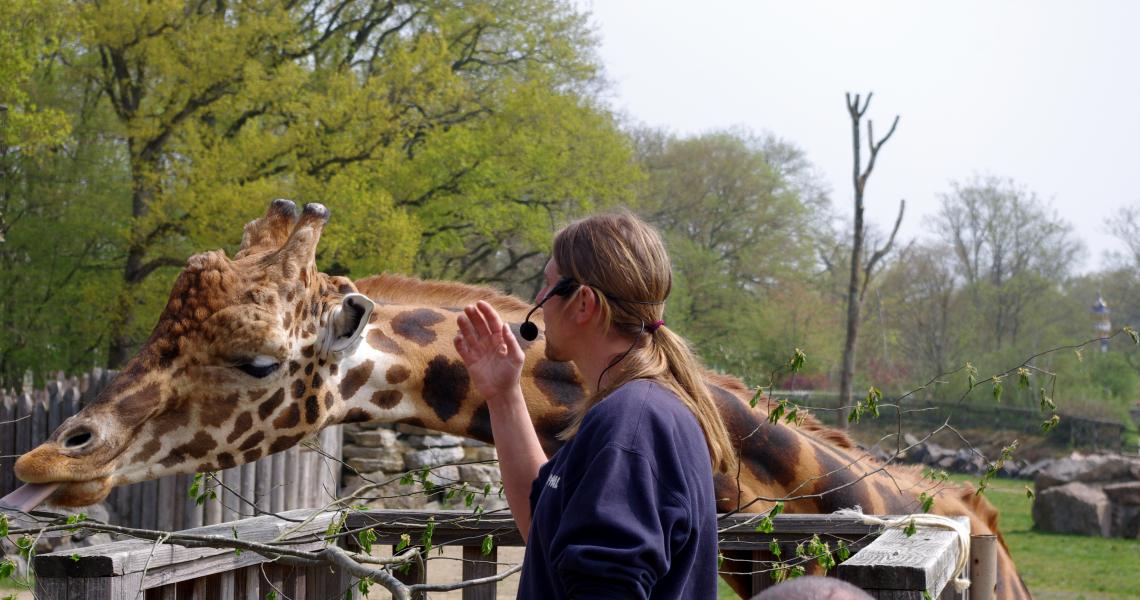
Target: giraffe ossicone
x,y
253,354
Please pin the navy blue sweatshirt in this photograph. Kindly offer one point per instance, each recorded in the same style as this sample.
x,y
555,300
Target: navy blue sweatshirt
x,y
626,508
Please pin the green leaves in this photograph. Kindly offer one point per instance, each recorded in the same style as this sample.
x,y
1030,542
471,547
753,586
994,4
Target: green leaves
x,y
765,525
3,526
870,404
997,387
488,544
1132,334
926,501
201,490
1050,423
405,541
910,528
366,538
7,568
429,530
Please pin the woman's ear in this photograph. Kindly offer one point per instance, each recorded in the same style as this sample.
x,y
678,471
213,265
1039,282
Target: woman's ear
x,y
586,306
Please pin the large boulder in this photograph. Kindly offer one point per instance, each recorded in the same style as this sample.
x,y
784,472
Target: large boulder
x,y
1073,508
1086,469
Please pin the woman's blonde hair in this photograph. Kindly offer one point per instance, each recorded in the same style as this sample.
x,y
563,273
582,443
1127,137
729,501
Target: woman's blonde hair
x,y
623,260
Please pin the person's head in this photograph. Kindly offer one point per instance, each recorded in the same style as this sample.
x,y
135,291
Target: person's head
x,y
623,262
813,588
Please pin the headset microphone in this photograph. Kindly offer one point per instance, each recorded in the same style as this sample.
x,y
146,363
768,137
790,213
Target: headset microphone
x,y
528,330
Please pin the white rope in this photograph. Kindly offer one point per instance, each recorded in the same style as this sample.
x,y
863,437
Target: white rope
x,y
961,584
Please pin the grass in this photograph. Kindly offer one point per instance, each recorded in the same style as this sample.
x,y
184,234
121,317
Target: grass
x,y
1055,565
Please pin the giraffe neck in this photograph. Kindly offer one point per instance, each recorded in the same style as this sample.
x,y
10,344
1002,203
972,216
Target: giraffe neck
x,y
405,369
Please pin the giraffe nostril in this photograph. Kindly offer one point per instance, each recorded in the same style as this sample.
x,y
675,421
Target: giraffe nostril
x,y
77,439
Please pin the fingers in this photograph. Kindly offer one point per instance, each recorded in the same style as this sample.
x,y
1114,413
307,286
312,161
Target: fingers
x,y
479,321
494,323
511,341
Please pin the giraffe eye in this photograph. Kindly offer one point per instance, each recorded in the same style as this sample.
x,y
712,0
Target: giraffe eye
x,y
259,367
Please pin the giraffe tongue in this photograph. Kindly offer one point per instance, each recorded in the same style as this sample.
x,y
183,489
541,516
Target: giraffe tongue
x,y
28,496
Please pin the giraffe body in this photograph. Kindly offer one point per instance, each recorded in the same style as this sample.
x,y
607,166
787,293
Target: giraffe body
x,y
254,354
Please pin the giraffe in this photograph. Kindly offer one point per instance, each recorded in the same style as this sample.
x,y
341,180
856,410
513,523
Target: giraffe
x,y
255,353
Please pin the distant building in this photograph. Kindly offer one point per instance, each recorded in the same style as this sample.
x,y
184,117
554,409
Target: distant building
x,y
1102,324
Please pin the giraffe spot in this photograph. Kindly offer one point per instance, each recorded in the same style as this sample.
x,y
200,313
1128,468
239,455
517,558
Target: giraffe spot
x,y
293,367
135,407
333,368
289,418
285,442
317,381
308,351
256,395
416,325
445,386
397,374
266,408
356,415
354,379
241,425
168,421
480,426
198,447
771,451
328,399
287,321
548,428
251,455
726,492
216,411
840,488
309,369
226,460
252,441
299,388
383,343
312,409
558,382
149,449
452,309
387,398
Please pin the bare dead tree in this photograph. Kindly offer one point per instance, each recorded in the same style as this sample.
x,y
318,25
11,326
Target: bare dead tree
x,y
862,267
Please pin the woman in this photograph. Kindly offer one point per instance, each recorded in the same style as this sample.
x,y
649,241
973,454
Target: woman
x,y
626,508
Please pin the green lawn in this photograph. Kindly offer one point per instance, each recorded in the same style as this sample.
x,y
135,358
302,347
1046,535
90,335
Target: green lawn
x,y
1056,566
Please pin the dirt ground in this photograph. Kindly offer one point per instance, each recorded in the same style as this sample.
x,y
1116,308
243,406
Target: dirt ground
x,y
449,569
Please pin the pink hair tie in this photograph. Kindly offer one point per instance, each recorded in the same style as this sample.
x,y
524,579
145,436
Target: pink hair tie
x,y
655,326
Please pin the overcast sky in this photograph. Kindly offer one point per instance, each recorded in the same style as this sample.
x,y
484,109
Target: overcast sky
x,y
1046,93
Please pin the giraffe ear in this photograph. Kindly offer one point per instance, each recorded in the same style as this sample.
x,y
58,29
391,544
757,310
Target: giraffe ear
x,y
348,321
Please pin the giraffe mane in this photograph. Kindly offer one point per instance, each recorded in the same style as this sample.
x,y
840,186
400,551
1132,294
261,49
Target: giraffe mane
x,y
401,289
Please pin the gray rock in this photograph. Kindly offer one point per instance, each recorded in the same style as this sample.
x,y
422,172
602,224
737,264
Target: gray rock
x,y
1126,520
432,457
413,430
480,453
433,441
378,438
1127,492
1073,508
391,463
1032,469
479,474
1086,469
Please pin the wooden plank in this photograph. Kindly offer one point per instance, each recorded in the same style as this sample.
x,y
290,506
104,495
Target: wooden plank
x,y
73,401
213,508
149,506
251,575
55,405
39,418
476,566
277,484
168,508
23,423
304,481
231,486
123,558
292,476
921,562
7,443
248,481
192,512
263,484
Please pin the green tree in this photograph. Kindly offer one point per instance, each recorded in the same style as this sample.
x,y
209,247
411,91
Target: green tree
x,y
740,233
447,137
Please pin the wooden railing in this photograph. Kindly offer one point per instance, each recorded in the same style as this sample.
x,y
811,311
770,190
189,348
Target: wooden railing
x,y
890,565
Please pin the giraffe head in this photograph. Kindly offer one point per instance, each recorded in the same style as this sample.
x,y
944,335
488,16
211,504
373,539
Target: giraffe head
x,y
236,367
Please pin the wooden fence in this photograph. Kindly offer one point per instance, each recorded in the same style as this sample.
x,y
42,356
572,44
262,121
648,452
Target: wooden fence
x,y
296,478
890,565
1077,432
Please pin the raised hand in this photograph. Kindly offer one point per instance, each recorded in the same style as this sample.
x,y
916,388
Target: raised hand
x,y
489,349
